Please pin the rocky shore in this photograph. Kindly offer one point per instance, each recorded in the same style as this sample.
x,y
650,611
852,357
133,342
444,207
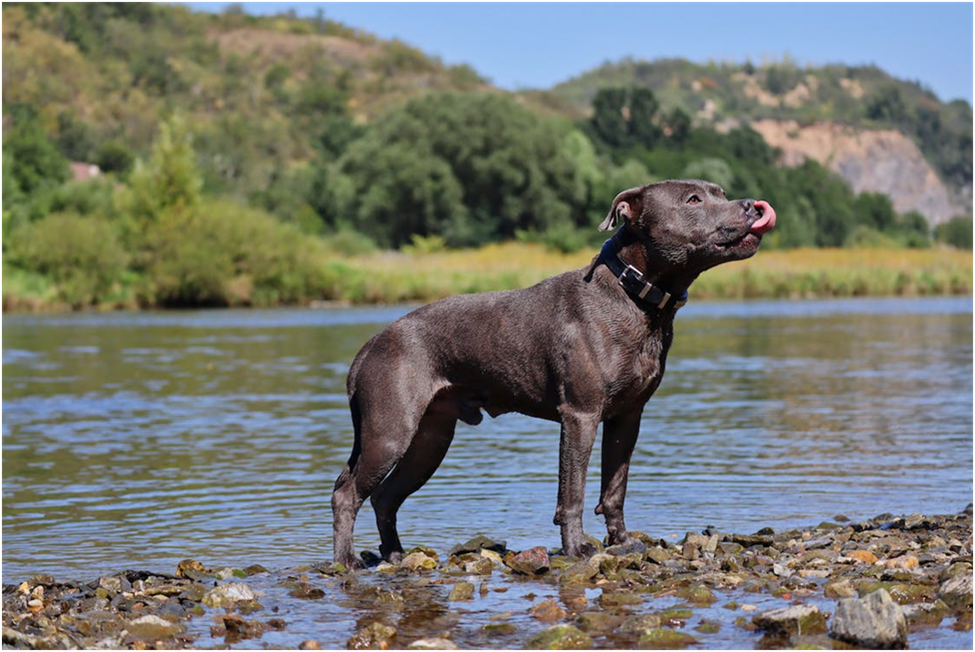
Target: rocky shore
x,y
889,582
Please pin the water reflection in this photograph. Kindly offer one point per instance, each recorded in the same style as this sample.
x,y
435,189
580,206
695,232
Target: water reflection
x,y
137,440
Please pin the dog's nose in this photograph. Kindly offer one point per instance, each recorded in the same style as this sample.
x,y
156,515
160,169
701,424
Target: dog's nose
x,y
747,205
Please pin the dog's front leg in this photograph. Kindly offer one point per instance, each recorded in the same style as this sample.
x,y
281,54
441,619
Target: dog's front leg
x,y
575,447
619,437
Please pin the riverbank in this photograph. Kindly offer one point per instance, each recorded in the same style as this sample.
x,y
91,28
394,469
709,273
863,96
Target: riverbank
x,y
889,581
397,277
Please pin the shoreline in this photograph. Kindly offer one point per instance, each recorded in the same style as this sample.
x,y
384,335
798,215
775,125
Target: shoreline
x,y
769,589
396,278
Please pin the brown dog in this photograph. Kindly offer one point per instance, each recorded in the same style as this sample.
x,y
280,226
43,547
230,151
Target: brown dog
x,y
582,348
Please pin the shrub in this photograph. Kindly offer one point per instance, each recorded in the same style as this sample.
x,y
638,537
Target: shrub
x,y
221,253
82,255
956,232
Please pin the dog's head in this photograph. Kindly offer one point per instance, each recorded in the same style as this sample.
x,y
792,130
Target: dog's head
x,y
690,224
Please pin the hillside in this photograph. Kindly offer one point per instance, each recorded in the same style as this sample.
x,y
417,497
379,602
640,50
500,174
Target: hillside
x,y
845,117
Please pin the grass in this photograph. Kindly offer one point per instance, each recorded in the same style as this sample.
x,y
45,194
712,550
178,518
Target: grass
x,y
796,273
397,277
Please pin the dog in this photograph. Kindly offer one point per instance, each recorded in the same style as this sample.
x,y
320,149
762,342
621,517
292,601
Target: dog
x,y
582,348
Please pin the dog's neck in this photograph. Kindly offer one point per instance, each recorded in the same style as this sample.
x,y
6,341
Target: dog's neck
x,y
632,250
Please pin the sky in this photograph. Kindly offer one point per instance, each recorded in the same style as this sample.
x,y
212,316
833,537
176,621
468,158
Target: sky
x,y
537,45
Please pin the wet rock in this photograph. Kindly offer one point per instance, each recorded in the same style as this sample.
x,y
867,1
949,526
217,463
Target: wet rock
x,y
533,561
840,589
461,592
580,572
560,637
631,547
791,621
690,551
697,594
598,622
925,615
374,636
305,591
238,628
957,591
708,627
548,611
254,569
875,621
228,595
675,617
499,629
309,645
190,568
152,628
639,625
612,600
432,644
419,560
665,639
478,543
657,555
749,540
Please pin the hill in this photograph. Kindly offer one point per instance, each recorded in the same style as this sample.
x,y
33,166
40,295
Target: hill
x,y
922,147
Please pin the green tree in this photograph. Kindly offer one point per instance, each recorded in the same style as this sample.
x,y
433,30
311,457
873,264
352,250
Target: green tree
x,y
608,121
956,232
36,161
171,179
642,124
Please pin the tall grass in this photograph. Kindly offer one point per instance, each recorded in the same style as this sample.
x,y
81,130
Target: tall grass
x,y
798,273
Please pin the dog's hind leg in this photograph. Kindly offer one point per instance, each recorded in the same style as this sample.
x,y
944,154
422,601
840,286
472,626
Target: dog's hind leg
x,y
381,440
423,457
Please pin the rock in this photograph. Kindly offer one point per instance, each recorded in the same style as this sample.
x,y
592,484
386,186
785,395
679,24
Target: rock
x,y
461,592
239,628
639,625
875,622
418,560
633,546
580,572
227,595
957,591
560,637
432,644
374,636
925,615
748,540
548,611
190,566
791,621
697,594
863,556
907,561
662,638
840,589
690,551
478,543
152,628
675,617
610,600
254,569
657,555
309,645
598,621
533,561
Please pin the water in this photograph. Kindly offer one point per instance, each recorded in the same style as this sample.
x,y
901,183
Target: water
x,y
135,440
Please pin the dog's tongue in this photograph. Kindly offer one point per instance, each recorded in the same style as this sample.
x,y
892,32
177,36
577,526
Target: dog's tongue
x,y
766,222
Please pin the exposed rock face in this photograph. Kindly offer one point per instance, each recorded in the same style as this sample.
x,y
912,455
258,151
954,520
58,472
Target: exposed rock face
x,y
883,161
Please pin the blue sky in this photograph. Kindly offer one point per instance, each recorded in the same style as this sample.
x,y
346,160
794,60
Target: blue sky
x,y
537,45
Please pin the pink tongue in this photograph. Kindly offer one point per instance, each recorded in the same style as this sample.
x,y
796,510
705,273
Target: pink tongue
x,y
766,222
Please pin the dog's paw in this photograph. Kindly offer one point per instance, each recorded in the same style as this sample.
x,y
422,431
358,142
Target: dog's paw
x,y
351,563
583,550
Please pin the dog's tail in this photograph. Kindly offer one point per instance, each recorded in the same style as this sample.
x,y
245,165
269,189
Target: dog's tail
x,y
346,473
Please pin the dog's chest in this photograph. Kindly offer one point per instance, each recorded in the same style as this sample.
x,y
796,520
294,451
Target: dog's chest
x,y
640,375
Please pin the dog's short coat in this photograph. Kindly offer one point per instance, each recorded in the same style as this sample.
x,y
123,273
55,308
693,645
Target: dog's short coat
x,y
576,348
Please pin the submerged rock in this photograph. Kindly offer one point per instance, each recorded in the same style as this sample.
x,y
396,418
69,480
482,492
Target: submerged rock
x,y
374,636
462,591
875,621
548,611
560,637
432,644
662,638
152,628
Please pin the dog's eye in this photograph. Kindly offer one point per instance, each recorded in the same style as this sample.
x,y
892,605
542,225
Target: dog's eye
x,y
694,199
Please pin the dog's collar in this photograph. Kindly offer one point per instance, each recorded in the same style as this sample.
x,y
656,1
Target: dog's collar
x,y
643,292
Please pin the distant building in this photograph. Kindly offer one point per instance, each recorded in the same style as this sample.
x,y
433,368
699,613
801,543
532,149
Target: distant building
x,y
84,171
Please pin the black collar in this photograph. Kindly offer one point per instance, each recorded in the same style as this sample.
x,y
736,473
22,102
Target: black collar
x,y
643,293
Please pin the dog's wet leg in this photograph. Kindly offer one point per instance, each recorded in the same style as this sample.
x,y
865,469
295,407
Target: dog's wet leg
x,y
619,437
575,448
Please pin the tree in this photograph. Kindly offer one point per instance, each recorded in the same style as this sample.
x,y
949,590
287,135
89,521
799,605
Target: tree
x,y
678,126
643,110
171,179
36,161
956,232
608,121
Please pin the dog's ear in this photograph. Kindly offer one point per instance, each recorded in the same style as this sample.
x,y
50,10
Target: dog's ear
x,y
627,205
